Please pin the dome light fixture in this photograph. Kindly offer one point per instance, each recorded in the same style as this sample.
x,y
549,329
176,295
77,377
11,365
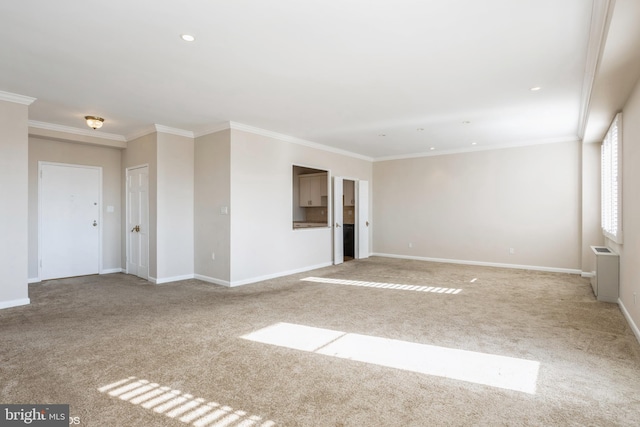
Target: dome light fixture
x,y
94,122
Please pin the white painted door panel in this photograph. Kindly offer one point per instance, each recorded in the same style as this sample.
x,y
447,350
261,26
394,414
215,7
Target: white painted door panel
x,y
362,221
69,214
138,221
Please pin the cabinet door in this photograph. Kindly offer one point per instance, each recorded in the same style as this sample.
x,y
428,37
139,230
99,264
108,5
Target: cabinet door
x,y
313,190
349,193
304,191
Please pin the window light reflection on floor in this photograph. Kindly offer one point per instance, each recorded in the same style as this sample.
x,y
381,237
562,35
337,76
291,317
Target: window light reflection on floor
x,y
434,289
480,368
182,406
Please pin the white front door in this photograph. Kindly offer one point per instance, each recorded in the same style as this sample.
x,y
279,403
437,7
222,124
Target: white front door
x,y
338,237
138,221
69,220
362,219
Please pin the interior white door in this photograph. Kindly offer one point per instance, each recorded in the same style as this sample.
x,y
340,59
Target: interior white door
x,y
69,220
338,237
138,221
362,221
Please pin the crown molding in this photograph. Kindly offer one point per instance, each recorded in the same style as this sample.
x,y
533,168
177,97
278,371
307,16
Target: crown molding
x,y
15,98
571,138
140,133
76,131
294,140
159,128
601,14
173,131
213,129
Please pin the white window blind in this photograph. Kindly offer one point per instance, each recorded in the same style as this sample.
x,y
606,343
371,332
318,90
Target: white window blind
x,y
611,188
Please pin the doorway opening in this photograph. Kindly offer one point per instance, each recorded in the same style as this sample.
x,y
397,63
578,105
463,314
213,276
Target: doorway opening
x,y
348,219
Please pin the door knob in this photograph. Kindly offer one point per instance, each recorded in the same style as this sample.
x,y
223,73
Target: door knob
x,y
337,225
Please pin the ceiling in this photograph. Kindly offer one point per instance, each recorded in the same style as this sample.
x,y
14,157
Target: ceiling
x,y
379,78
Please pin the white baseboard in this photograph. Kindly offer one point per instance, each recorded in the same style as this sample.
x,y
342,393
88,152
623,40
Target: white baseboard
x,y
34,280
483,264
627,316
170,279
280,274
212,280
587,274
14,303
112,270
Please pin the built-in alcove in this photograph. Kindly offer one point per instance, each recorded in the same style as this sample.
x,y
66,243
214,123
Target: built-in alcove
x,y
310,197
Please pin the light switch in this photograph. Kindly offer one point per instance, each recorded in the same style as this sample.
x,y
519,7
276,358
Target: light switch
x,y
224,210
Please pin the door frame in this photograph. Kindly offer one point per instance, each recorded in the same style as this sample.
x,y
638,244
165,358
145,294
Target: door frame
x,y
42,163
126,217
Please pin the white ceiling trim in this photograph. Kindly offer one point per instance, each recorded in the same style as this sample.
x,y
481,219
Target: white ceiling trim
x,y
294,140
433,153
76,131
159,128
213,129
174,131
140,133
600,19
15,98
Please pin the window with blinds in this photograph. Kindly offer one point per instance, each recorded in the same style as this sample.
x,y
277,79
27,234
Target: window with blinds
x,y
611,186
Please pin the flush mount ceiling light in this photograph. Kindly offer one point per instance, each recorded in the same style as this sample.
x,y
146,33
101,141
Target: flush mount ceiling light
x,y
432,148
187,37
535,88
474,143
94,122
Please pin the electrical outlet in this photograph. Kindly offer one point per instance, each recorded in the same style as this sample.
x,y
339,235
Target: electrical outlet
x,y
512,251
410,244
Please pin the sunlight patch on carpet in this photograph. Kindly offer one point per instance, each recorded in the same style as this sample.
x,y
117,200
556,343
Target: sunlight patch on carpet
x,y
434,289
480,368
181,406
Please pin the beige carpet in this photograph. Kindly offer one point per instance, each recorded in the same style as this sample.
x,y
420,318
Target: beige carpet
x,y
123,352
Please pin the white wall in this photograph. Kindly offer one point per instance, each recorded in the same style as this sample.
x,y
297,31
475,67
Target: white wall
x,y
175,200
263,243
14,290
80,154
212,193
474,207
629,250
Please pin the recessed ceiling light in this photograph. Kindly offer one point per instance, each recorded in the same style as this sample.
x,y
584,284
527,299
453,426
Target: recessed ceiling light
x,y
432,148
474,143
535,88
187,37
